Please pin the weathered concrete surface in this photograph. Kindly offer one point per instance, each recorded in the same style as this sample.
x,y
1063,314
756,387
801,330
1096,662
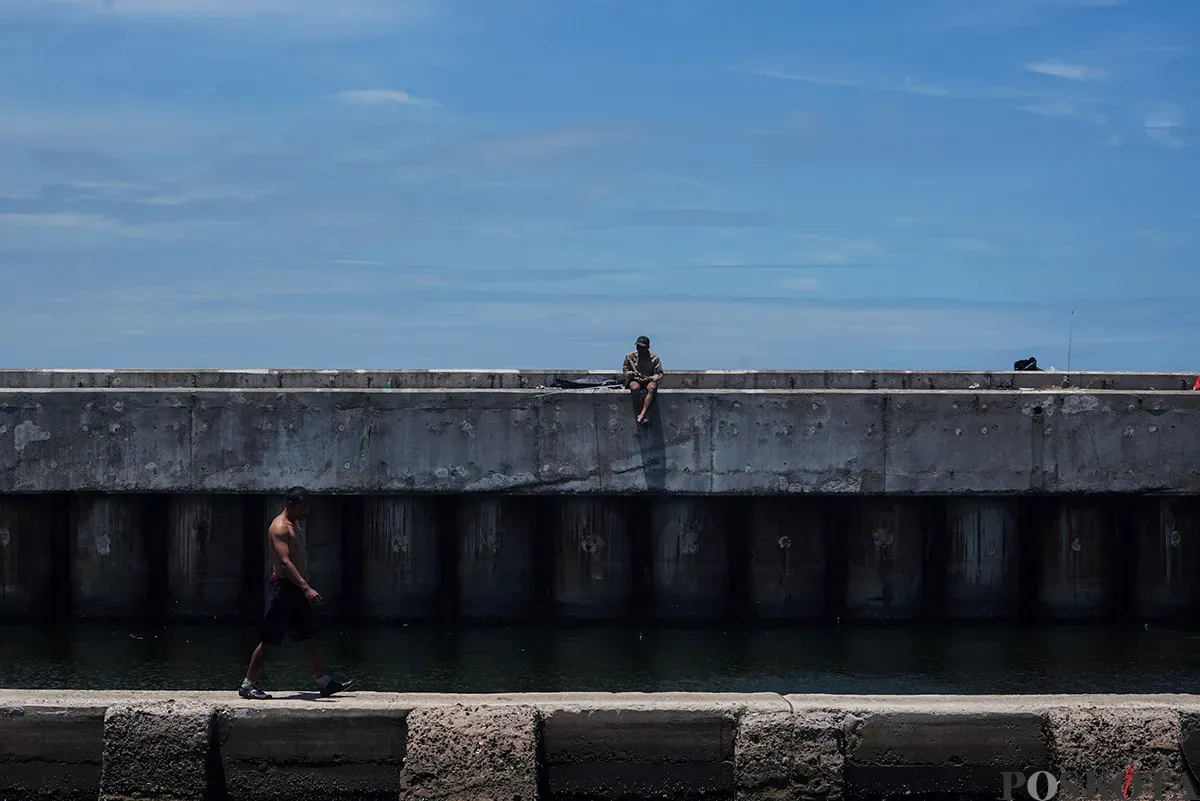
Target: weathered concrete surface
x,y
309,752
472,753
401,558
158,750
1105,741
26,557
531,379
905,752
205,555
786,755
640,754
51,752
564,441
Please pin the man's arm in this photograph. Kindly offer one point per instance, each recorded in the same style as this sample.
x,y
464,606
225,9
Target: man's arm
x,y
629,369
279,541
658,371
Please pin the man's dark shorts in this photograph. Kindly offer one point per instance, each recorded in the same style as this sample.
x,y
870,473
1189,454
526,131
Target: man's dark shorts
x,y
288,614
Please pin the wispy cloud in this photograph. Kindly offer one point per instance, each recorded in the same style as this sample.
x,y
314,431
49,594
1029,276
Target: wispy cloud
x,y
839,250
1163,125
87,222
310,18
1065,109
381,97
907,86
965,244
1061,69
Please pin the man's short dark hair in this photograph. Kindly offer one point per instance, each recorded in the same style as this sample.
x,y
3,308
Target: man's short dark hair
x,y
297,496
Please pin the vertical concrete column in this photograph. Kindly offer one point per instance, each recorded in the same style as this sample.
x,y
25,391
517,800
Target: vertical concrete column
x,y
691,558
495,558
322,535
205,556
401,558
1168,558
26,557
109,563
593,557
787,557
982,562
1075,557
885,550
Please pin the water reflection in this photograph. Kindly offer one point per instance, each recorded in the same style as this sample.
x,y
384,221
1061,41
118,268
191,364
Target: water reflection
x,y
421,659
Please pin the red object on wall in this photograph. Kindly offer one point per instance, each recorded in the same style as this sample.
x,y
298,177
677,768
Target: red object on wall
x,y
1196,386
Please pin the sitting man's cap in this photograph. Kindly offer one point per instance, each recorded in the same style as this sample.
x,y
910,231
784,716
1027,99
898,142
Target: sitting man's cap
x,y
643,341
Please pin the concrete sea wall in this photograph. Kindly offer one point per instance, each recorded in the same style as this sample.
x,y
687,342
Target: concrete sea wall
x,y
471,495
213,746
534,379
757,442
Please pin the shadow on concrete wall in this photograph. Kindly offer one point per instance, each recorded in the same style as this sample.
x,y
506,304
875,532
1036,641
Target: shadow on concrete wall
x,y
652,444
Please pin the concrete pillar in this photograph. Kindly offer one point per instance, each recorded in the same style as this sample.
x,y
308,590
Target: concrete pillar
x,y
109,561
691,558
322,536
1075,552
787,558
593,557
495,559
981,580
1168,558
401,558
26,557
885,552
206,559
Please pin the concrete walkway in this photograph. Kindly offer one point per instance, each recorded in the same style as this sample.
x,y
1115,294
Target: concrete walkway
x,y
205,745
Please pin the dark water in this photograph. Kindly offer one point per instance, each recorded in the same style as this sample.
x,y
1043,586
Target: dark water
x,y
421,659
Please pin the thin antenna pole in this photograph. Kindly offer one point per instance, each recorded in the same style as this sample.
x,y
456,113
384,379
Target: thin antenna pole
x,y
1070,343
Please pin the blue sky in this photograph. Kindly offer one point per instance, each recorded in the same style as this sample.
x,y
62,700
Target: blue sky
x,y
776,184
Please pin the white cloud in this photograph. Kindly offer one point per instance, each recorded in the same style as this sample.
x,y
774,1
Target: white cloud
x,y
1059,69
311,17
966,244
1162,124
87,222
840,250
380,97
1063,109
908,86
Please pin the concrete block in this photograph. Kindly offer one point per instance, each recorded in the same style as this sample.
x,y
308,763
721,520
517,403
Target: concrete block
x,y
959,442
51,753
963,752
615,753
673,454
1124,442
788,557
311,754
26,557
1189,724
1105,741
797,443
472,753
97,441
784,755
160,750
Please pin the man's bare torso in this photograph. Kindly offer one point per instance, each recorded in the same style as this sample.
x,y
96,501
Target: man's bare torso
x,y
293,534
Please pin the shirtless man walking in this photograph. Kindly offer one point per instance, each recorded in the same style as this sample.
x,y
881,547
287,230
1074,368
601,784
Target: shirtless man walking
x,y
289,600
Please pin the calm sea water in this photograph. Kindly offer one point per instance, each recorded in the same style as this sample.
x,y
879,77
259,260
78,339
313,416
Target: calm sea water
x,y
798,660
